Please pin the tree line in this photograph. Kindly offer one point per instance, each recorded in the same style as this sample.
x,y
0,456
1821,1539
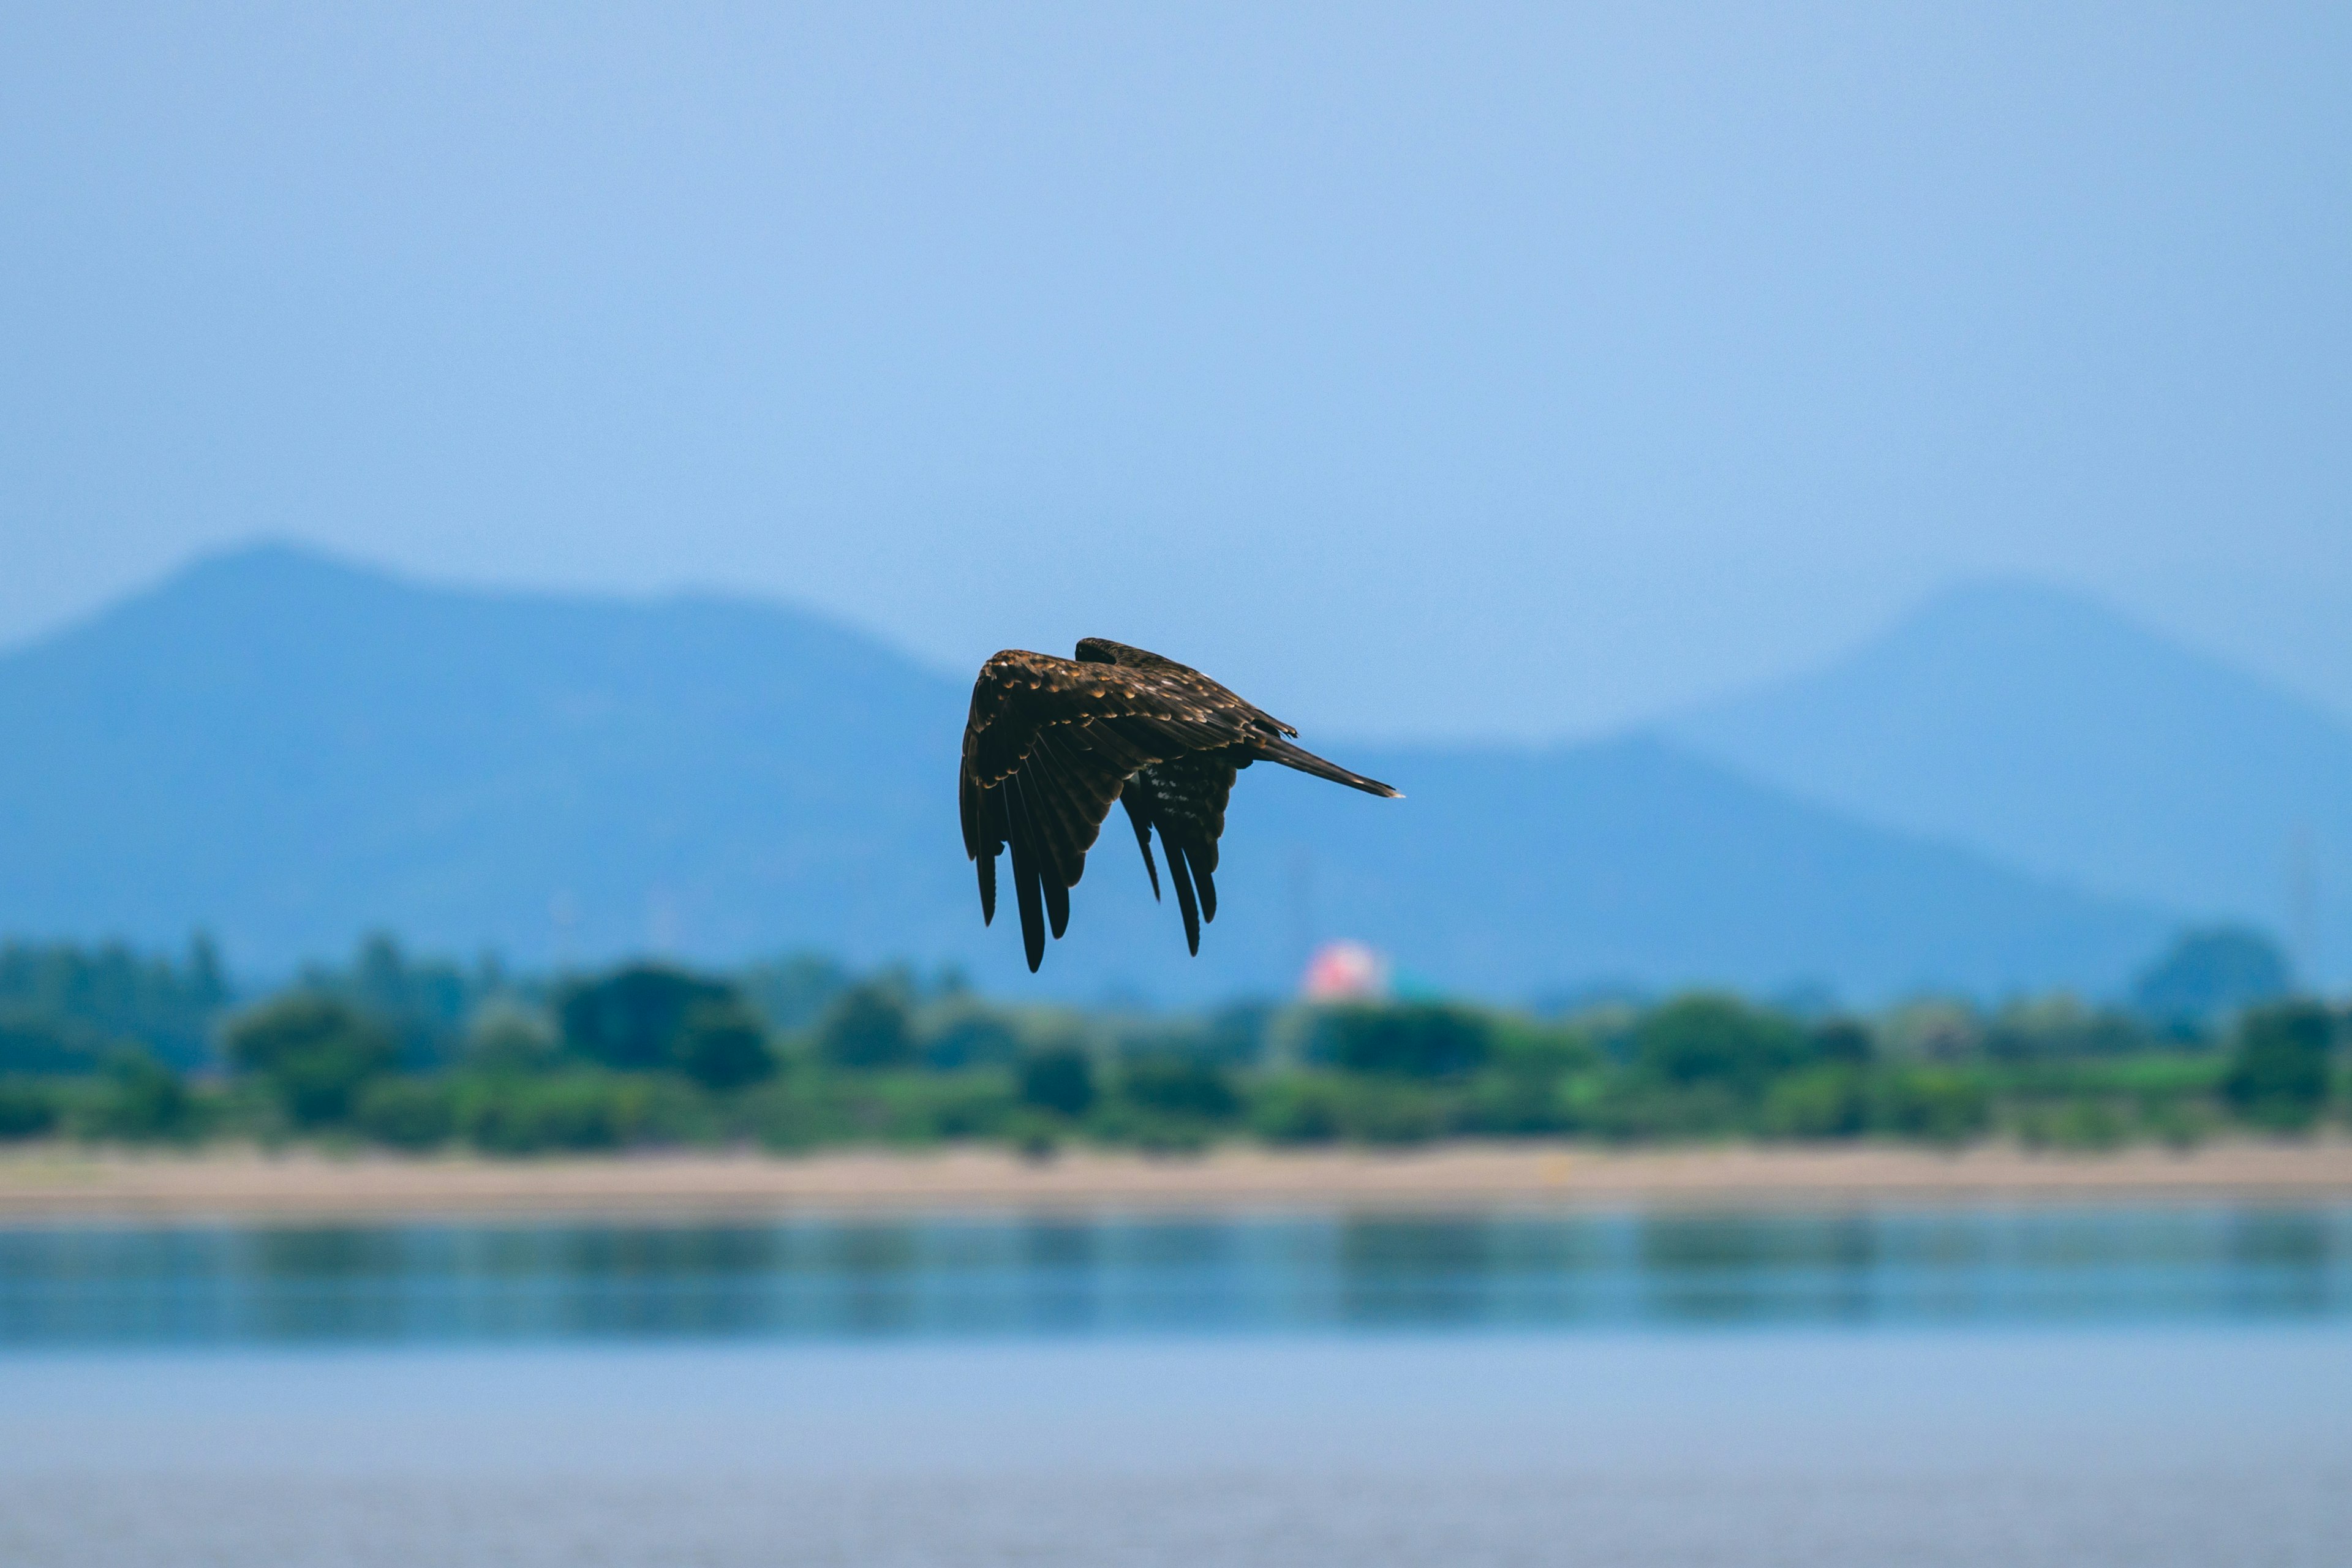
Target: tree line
x,y
388,1050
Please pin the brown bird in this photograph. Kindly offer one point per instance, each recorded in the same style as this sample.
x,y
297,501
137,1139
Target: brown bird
x,y
1053,742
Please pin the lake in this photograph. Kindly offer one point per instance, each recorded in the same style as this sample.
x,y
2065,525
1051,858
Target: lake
x,y
2018,1386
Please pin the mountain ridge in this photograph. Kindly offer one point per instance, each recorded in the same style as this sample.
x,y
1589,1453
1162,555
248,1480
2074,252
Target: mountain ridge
x,y
291,749
2046,728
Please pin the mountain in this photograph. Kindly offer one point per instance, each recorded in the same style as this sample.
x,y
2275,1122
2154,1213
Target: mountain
x,y
1629,858
290,749
2047,730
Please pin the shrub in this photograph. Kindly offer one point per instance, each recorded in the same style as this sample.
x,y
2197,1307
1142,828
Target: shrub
x,y
1516,1103
406,1112
629,1020
2091,1125
1171,1085
530,1115
1422,1040
1711,1040
32,1042
1632,1107
970,1036
912,1107
1939,1104
138,1099
314,1051
971,1105
2278,1069
784,1115
507,1038
27,1111
866,1029
1060,1080
1390,1113
1299,1108
1841,1042
1826,1101
1036,1137
2179,1125
721,1047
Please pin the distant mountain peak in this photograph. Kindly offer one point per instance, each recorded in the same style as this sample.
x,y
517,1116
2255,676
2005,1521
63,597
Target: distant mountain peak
x,y
2045,727
280,565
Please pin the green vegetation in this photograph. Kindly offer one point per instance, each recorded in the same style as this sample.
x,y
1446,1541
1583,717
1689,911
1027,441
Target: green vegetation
x,y
65,1008
798,1054
2209,975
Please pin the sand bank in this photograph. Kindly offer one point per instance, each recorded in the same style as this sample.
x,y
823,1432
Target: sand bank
x,y
50,1182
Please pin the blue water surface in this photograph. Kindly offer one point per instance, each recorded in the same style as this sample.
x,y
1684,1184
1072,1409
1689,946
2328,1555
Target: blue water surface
x,y
840,1279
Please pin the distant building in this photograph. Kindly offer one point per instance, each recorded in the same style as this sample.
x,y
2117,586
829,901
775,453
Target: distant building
x,y
1346,972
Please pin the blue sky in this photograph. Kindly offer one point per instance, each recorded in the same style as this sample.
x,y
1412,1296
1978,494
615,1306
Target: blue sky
x,y
1611,357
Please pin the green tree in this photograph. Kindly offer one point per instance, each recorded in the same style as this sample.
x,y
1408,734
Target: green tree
x,y
1824,1101
2278,1071
964,1035
721,1046
507,1038
1235,1034
1715,1040
792,992
1841,1042
2059,1027
630,1019
1167,1084
27,1109
1059,1078
1429,1040
1300,1108
406,1112
867,1026
38,1043
112,995
573,1110
1943,1105
313,1051
140,1099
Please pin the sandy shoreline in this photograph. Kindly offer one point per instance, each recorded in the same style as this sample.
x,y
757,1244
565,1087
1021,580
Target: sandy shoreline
x,y
55,1182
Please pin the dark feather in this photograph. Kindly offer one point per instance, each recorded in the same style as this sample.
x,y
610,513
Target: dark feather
x,y
1026,882
1307,762
1179,877
1140,817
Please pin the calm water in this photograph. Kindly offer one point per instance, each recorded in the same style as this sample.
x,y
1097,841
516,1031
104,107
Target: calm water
x,y
2031,1387
222,1285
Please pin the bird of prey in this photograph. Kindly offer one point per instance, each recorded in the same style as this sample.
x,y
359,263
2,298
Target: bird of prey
x,y
1051,742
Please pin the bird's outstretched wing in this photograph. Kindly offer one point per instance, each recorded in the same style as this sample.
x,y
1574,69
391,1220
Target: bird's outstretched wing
x,y
1184,797
1050,743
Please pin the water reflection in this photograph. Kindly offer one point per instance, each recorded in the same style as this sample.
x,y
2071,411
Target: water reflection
x,y
1062,1276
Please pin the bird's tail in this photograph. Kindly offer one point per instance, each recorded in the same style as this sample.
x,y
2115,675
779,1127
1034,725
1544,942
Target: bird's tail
x,y
1307,762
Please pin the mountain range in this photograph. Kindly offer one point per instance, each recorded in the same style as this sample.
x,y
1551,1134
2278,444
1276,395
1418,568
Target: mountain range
x,y
2058,735
289,750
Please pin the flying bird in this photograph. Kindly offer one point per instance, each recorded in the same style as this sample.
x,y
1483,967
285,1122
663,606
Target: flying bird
x,y
1051,742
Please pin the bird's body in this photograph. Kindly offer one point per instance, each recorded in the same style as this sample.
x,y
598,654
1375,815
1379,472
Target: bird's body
x,y
1051,742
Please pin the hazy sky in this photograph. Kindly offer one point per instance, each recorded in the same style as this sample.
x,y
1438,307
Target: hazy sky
x,y
1429,370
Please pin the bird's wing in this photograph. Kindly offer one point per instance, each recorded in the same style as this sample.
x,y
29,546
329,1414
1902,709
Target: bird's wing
x,y
1184,797
1049,745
